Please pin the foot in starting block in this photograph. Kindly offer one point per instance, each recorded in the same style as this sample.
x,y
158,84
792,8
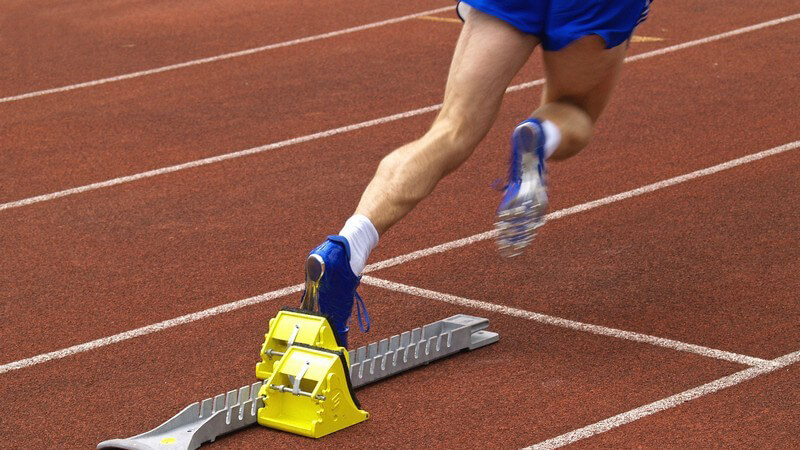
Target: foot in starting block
x,y
331,286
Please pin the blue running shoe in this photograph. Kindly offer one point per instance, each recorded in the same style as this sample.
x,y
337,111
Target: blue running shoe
x,y
524,203
331,286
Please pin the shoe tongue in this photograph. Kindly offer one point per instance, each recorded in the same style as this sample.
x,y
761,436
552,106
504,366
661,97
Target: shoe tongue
x,y
341,240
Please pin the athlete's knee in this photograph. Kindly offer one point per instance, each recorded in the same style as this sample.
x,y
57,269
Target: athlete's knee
x,y
461,129
392,164
408,174
449,142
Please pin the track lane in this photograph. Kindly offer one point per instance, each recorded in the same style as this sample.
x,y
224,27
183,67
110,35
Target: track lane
x,y
69,375
530,374
51,44
438,249
98,143
708,262
211,221
127,16
171,118
758,413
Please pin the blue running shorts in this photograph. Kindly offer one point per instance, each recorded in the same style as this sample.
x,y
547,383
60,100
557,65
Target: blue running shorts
x,y
559,22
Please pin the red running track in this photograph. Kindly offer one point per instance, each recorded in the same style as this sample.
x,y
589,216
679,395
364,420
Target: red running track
x,y
710,262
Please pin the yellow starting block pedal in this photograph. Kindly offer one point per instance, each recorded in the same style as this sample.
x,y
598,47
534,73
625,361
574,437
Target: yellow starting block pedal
x,y
310,393
295,326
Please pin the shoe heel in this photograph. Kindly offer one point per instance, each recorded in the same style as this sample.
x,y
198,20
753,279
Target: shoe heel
x,y
315,268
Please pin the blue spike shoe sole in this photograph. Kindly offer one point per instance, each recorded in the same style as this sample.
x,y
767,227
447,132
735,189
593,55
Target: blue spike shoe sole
x,y
525,201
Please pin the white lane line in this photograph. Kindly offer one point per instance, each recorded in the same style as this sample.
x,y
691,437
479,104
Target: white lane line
x,y
102,342
196,62
346,129
402,259
566,323
667,403
212,160
386,263
716,37
441,248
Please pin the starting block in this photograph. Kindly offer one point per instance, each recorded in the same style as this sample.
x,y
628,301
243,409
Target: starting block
x,y
310,393
309,380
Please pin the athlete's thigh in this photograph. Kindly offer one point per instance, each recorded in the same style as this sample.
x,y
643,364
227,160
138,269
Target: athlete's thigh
x,y
488,54
584,74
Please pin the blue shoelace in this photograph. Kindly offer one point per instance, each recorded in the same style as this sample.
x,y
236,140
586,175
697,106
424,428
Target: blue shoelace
x,y
359,306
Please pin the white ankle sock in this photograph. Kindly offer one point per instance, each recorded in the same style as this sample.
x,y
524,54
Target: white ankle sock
x,y
552,138
363,237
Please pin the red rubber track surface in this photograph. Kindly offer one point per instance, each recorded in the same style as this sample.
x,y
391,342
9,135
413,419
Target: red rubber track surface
x,y
146,123
51,43
739,419
712,262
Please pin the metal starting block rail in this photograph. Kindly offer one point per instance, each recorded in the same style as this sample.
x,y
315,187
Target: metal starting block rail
x,y
204,421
